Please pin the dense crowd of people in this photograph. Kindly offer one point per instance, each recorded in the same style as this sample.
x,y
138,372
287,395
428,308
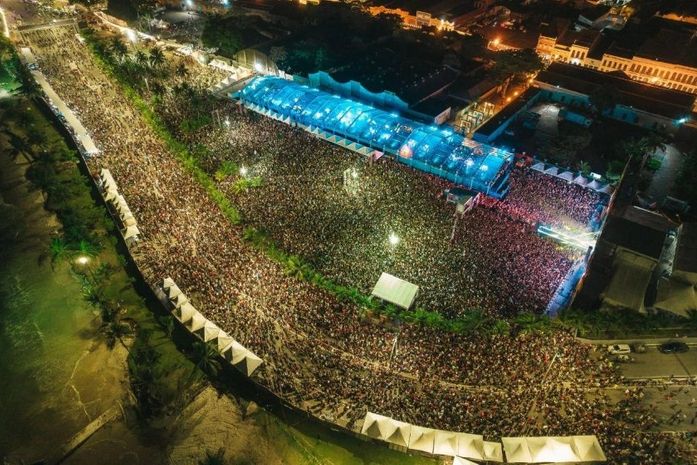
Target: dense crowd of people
x,y
319,353
487,260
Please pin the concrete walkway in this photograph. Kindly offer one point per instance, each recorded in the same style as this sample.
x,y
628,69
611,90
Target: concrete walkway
x,y
664,179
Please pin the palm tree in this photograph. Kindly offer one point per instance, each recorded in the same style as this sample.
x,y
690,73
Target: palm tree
x,y
157,58
584,167
182,71
141,59
205,357
59,249
114,331
118,48
85,247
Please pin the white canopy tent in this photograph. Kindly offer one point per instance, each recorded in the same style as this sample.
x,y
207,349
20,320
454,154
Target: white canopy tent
x,y
554,449
493,451
167,283
224,341
179,300
470,446
445,443
394,290
241,358
173,291
378,426
185,313
462,461
131,232
208,332
422,439
196,322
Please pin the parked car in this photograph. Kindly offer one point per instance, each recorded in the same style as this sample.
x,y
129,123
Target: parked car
x,y
673,347
618,349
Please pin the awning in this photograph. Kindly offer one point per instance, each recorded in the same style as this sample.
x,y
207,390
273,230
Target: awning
x,y
394,290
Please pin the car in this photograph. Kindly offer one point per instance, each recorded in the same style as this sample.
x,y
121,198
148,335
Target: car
x,y
617,349
673,347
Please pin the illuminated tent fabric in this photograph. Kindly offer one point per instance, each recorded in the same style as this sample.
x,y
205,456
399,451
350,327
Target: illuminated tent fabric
x,y
551,449
608,189
588,448
378,426
167,283
470,446
439,151
111,195
179,300
129,221
595,185
422,439
538,166
185,313
516,450
567,176
224,341
208,331
401,434
241,358
493,452
462,461
196,322
552,170
580,180
131,232
173,291
106,177
445,443
394,290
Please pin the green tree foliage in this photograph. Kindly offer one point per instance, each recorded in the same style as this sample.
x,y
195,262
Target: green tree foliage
x,y
686,185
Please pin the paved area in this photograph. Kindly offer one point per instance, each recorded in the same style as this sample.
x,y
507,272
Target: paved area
x,y
664,179
656,364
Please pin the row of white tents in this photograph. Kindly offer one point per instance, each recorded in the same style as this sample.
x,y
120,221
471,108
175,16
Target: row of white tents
x,y
569,176
111,194
241,358
464,447
432,441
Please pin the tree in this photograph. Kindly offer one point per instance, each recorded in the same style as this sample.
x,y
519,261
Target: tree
x,y
59,249
118,48
157,57
205,355
514,64
115,331
182,71
142,59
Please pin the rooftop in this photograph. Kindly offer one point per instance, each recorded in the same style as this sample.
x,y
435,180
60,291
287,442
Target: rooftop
x,y
639,230
652,99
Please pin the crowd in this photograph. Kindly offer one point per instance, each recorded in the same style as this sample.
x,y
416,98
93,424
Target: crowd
x,y
319,353
344,233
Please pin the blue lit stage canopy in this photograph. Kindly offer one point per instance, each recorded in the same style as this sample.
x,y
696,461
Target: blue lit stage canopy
x,y
439,151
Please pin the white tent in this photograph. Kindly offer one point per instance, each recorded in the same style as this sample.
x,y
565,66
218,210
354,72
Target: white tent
x,y
553,170
242,359
588,448
167,283
470,446
129,221
208,332
550,449
111,195
401,434
422,439
493,452
567,176
445,443
196,322
595,185
539,166
179,300
394,290
224,341
377,426
608,189
173,291
185,313
580,180
516,450
462,461
131,232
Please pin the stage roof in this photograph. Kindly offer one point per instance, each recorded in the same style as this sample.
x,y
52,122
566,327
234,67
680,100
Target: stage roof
x,y
397,291
439,151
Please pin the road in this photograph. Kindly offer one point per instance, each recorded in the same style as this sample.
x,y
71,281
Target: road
x,y
654,364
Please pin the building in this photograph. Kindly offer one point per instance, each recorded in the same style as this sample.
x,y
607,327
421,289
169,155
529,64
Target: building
x,y
444,15
637,103
663,53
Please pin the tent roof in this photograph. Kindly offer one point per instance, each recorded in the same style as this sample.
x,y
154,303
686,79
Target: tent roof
x,y
553,449
185,312
209,331
445,443
588,448
394,290
167,283
470,446
516,450
224,341
197,322
131,231
422,439
493,451
173,291
462,461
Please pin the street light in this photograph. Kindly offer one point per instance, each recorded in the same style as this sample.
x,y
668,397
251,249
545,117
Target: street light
x,y
227,122
82,260
394,239
243,171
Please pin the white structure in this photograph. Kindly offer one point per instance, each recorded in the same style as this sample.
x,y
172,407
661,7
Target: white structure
x,y
394,290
